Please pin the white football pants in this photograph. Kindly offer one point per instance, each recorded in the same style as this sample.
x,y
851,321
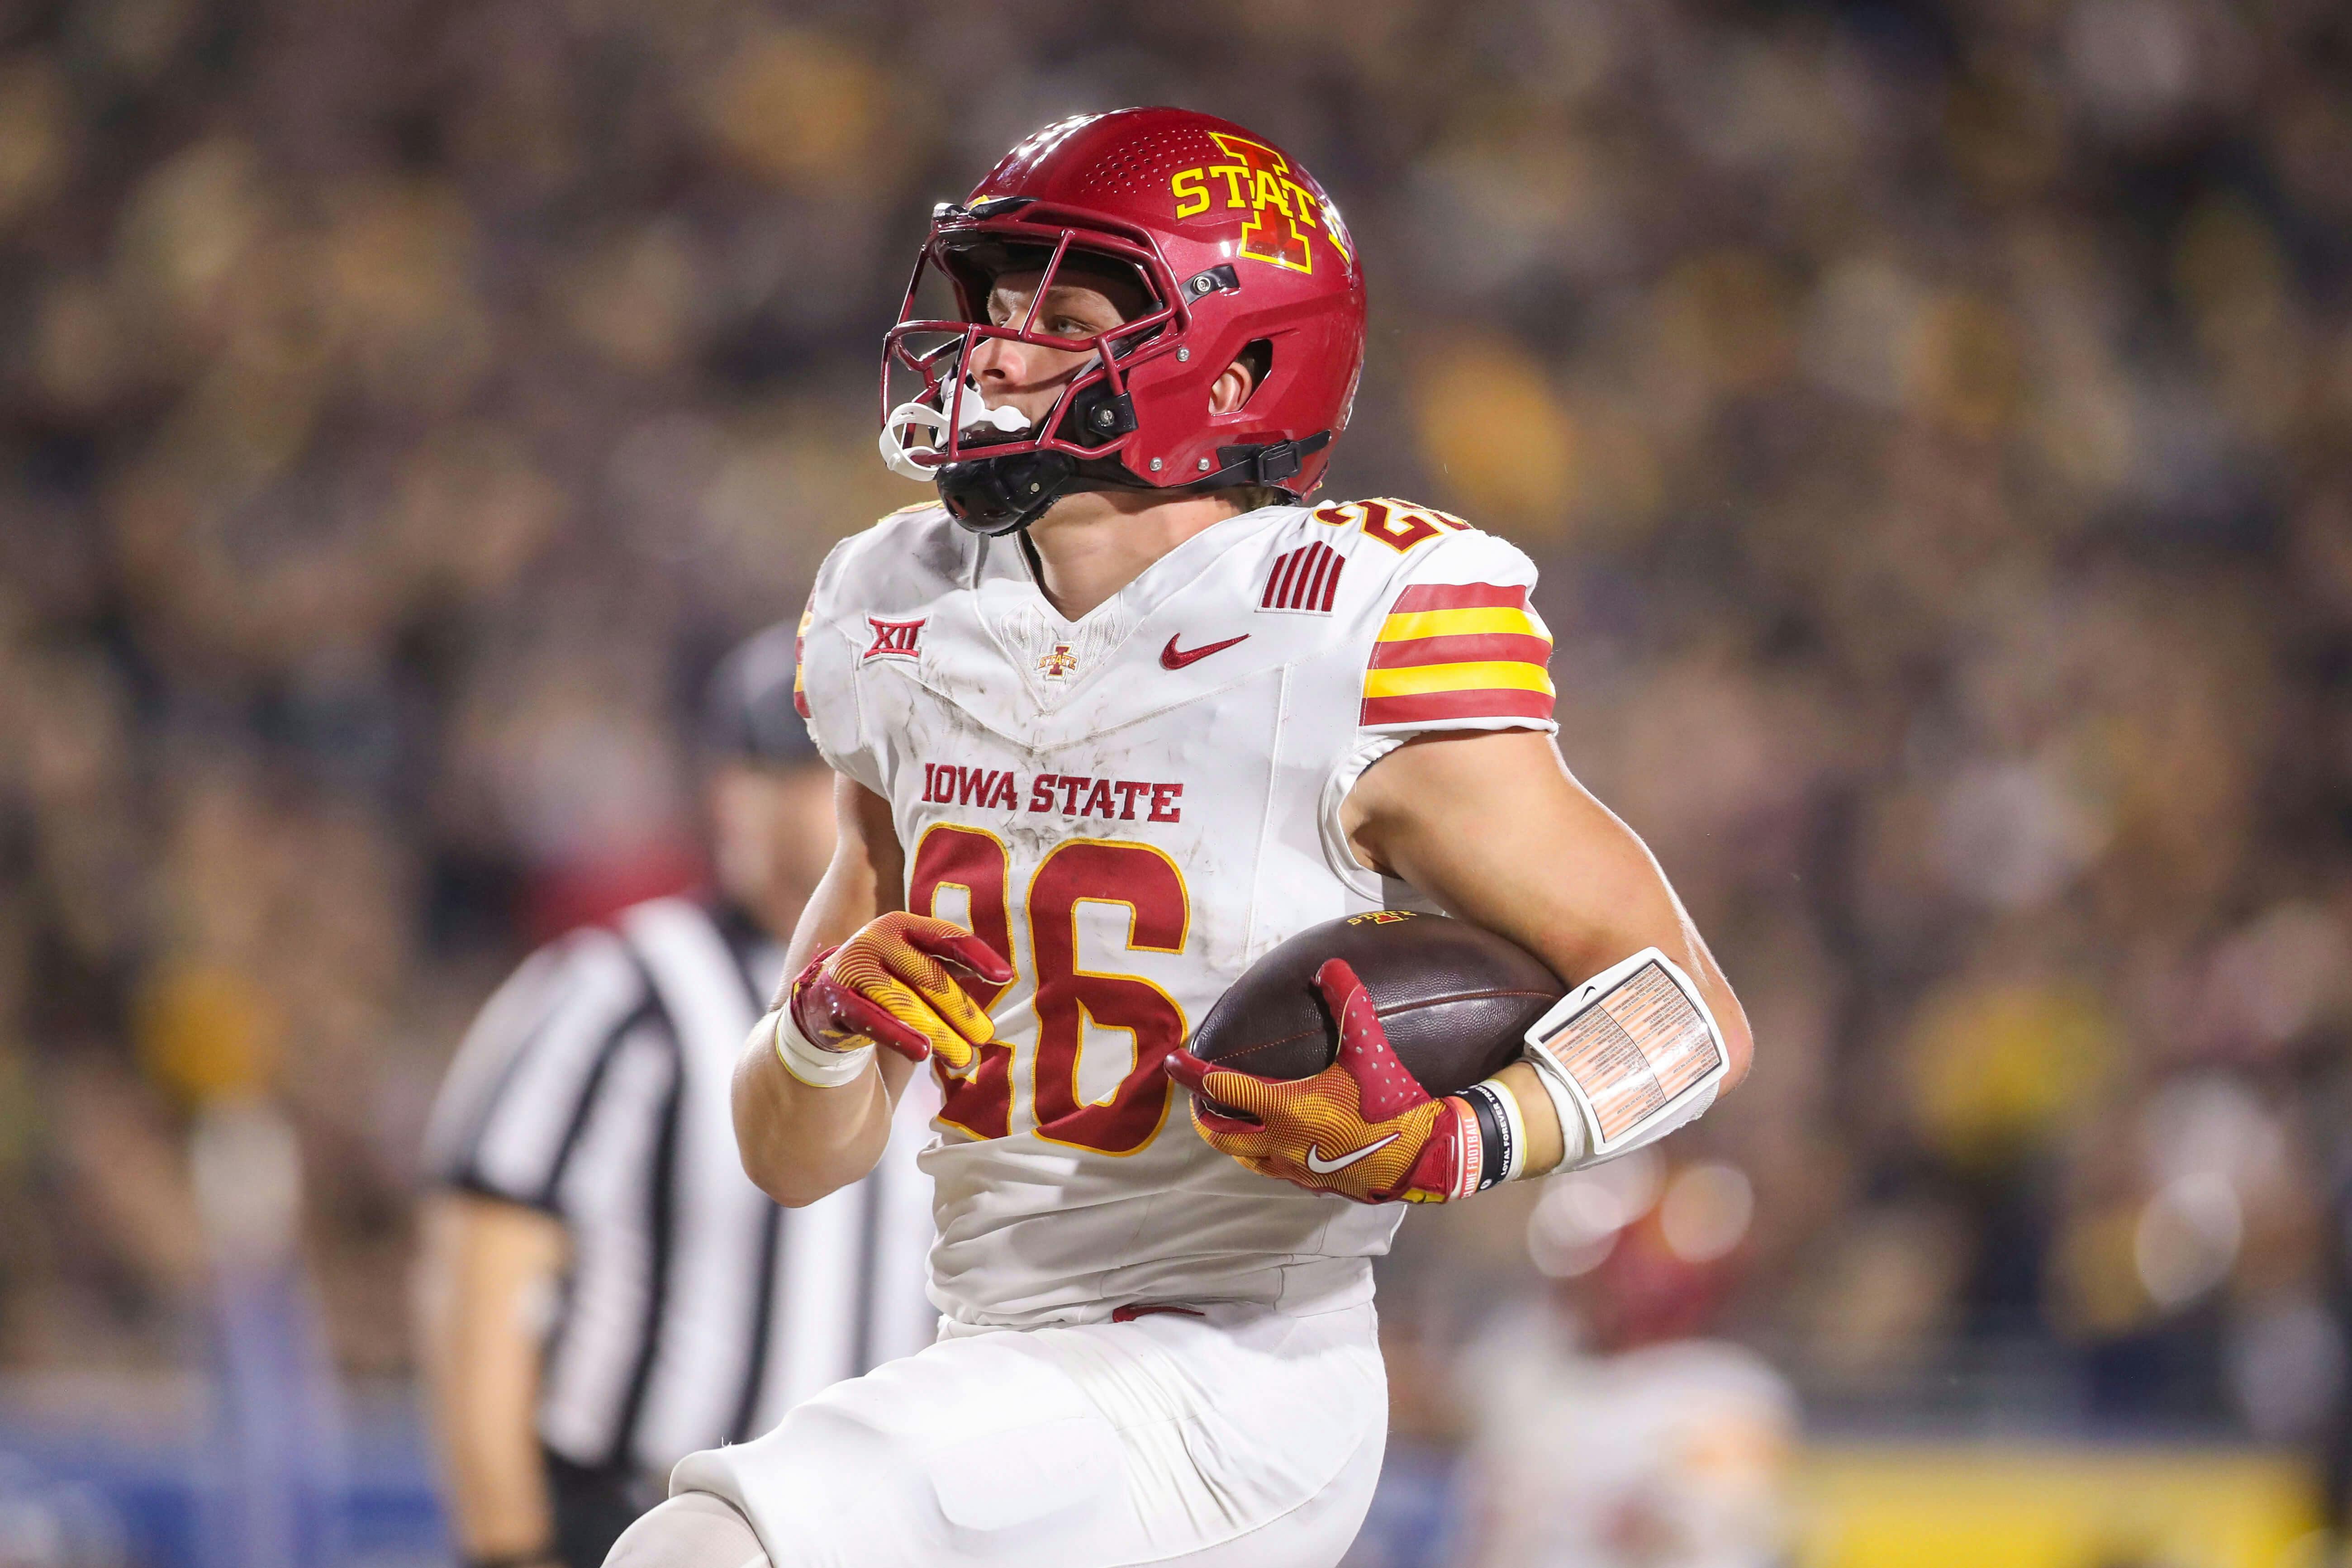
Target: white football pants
x,y
1235,1438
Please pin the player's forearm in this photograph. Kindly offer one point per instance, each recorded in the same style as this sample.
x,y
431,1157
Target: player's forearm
x,y
486,1271
1545,1142
1565,880
798,1141
1593,896
1634,907
1584,905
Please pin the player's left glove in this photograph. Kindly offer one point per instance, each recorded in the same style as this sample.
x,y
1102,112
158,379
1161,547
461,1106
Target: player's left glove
x,y
1360,1128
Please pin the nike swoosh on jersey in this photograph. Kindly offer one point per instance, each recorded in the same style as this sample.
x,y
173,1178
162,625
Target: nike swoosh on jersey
x,y
1323,1167
1173,657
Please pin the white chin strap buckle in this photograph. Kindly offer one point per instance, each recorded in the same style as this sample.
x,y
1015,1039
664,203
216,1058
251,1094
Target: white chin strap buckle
x,y
974,414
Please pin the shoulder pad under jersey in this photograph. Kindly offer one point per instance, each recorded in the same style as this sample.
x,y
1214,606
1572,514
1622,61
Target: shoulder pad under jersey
x,y
880,578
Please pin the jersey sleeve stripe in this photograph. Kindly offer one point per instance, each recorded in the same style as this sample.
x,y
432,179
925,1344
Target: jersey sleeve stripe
x,y
1328,566
1451,652
520,1144
501,1036
1414,679
1486,648
1437,707
1278,586
1461,596
1457,622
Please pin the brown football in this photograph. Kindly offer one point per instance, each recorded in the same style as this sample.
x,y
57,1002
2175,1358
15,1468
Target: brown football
x,y
1453,999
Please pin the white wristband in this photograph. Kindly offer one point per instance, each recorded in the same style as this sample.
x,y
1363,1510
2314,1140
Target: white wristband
x,y
1516,1122
1573,1144
812,1064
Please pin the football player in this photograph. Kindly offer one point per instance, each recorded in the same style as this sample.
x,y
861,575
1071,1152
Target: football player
x,y
1609,1429
1113,717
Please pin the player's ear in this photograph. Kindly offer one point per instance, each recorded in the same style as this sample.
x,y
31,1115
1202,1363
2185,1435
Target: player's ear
x,y
1232,387
1244,376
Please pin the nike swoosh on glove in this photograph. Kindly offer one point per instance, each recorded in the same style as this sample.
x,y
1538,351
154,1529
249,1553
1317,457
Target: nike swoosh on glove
x,y
890,984
1360,1128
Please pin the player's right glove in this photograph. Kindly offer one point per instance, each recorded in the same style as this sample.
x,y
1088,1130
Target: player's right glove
x,y
1361,1128
890,985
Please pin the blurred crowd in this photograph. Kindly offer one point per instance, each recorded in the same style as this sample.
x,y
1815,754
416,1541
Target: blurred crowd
x,y
1933,422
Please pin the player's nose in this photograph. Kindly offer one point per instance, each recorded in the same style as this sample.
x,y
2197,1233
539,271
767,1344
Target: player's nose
x,y
998,361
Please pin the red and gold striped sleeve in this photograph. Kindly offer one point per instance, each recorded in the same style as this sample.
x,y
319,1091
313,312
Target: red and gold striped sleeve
x,y
1451,652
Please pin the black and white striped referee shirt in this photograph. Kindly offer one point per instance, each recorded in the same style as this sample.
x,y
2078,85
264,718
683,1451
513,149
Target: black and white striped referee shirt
x,y
594,1087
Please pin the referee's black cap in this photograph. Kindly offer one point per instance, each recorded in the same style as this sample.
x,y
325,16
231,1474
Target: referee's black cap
x,y
747,709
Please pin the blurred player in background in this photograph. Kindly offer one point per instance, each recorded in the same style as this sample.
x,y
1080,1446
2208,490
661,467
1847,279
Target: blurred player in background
x,y
1608,1431
1111,719
602,1290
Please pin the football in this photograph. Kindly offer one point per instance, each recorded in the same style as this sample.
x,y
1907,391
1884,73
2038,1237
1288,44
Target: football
x,y
1455,1000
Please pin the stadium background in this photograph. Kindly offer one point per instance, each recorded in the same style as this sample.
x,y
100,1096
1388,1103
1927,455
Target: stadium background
x,y
1932,422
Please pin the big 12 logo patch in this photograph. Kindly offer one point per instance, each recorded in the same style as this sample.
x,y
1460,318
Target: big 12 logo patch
x,y
1258,180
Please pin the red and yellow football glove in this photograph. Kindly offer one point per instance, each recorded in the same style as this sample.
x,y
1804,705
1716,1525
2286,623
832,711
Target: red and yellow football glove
x,y
890,985
1360,1128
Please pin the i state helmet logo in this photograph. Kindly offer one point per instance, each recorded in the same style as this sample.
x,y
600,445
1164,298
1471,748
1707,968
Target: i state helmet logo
x,y
1256,179
1059,662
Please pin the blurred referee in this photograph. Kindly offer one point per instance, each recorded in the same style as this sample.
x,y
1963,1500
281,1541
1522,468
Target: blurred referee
x,y
602,1289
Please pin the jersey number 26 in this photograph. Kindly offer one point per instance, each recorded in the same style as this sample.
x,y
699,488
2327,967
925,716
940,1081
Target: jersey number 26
x,y
1079,871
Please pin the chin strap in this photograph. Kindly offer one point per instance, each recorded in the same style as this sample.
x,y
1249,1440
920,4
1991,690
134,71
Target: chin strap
x,y
996,494
1268,465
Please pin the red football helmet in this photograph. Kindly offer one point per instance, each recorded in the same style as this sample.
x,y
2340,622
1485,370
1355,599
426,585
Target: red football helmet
x,y
1242,256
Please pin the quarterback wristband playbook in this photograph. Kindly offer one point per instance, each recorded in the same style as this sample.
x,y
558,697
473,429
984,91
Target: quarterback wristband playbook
x,y
811,1063
1627,1057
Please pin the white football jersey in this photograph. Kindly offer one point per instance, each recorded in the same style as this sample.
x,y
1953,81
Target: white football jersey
x,y
1131,808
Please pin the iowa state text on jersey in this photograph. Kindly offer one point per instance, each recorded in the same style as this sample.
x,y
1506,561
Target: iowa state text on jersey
x,y
1071,795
